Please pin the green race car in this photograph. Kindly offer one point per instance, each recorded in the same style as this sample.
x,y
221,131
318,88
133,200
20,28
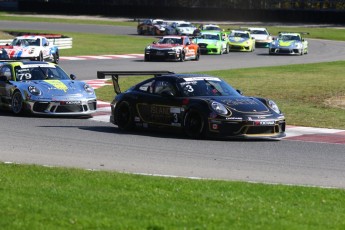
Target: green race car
x,y
213,42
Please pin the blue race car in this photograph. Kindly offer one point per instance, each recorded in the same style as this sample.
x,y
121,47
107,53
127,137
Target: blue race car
x,y
43,88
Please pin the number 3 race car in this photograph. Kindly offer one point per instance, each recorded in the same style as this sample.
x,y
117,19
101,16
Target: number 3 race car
x,y
196,104
30,47
178,48
43,88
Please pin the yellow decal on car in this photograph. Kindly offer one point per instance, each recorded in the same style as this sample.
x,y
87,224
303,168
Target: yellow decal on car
x,y
57,84
287,43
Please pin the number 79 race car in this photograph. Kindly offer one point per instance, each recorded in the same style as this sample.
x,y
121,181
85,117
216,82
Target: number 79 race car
x,y
43,88
198,105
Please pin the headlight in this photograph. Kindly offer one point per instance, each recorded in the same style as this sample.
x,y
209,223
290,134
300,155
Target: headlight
x,y
88,89
273,106
219,108
34,91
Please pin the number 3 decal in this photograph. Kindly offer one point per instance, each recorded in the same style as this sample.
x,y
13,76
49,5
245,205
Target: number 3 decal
x,y
189,88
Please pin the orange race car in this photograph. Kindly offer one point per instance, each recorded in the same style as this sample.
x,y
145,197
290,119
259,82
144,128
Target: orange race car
x,y
173,47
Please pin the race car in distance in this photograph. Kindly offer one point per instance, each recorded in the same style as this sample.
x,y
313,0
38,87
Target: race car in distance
x,y
31,47
151,27
43,88
182,28
198,105
178,48
241,40
289,43
263,39
213,42
208,27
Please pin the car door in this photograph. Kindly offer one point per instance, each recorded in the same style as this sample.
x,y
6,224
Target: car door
x,y
5,71
160,105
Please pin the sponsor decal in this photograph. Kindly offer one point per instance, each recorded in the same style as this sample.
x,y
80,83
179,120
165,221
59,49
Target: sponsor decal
x,y
258,123
234,118
57,84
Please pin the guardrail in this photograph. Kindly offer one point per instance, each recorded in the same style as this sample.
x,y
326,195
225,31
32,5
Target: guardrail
x,y
61,43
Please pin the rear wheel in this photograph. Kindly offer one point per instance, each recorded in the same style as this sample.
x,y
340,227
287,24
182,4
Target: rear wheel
x,y
194,124
17,103
40,57
182,56
227,49
124,116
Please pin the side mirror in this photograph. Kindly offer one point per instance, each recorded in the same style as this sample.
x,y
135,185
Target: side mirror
x,y
239,91
73,77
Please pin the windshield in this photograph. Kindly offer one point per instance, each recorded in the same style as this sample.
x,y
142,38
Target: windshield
x,y
210,36
170,41
206,86
43,72
26,42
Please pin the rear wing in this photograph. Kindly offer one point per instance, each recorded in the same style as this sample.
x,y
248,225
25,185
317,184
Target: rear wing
x,y
114,75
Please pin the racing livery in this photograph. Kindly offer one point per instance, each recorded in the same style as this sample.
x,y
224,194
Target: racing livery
x,y
289,43
43,88
30,47
198,105
263,39
151,27
241,40
213,42
172,47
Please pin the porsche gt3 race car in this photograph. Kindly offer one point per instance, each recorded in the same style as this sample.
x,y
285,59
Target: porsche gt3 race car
x,y
198,105
151,27
213,42
30,47
184,28
43,88
241,40
290,43
263,39
178,48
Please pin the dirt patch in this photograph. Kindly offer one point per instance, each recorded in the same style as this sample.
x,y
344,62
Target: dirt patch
x,y
336,102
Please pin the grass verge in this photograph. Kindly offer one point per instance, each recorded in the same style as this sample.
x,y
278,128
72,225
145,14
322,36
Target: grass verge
x,y
34,197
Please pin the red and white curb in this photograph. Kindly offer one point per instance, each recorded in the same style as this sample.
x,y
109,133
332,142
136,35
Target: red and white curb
x,y
102,57
294,133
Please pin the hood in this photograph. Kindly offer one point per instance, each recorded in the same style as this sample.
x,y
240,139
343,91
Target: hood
x,y
58,87
286,43
237,39
260,36
207,41
244,104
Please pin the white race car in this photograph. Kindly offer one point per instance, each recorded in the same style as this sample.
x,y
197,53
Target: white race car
x,y
32,47
263,39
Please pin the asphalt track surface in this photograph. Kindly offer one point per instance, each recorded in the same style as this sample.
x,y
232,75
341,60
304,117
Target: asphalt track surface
x,y
90,144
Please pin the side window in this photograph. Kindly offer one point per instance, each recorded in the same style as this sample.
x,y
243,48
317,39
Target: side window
x,y
6,71
45,42
186,41
164,87
146,87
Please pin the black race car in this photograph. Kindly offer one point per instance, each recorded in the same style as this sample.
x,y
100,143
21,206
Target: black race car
x,y
200,105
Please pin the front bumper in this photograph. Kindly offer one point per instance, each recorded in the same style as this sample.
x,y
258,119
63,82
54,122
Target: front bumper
x,y
234,47
281,50
73,107
161,55
248,129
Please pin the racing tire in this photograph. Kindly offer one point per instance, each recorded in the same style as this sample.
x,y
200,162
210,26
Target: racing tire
x,y
227,49
197,56
124,117
56,58
194,124
40,57
17,103
182,56
146,58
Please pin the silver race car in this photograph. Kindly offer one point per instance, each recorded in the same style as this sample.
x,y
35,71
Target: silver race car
x,y
43,88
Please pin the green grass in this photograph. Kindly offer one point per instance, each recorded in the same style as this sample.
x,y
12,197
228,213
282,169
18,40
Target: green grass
x,y
300,91
34,197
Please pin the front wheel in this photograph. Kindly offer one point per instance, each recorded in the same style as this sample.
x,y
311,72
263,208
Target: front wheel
x,y
40,57
124,116
182,56
194,124
197,55
56,58
17,103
